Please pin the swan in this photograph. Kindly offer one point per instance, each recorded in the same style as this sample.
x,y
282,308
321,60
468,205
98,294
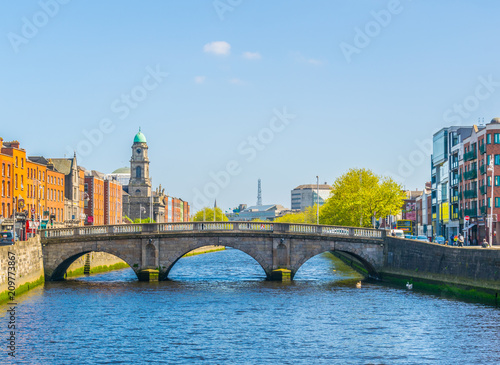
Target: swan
x,y
409,286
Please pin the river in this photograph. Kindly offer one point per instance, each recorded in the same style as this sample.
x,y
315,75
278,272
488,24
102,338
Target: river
x,y
218,309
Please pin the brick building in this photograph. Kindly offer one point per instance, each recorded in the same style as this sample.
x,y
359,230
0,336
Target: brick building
x,y
112,202
55,194
480,150
45,190
102,199
14,159
6,198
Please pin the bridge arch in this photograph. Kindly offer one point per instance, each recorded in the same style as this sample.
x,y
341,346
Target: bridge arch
x,y
57,272
255,256
354,260
355,254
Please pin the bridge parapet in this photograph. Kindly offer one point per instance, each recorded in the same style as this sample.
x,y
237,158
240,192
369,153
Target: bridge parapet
x,y
187,227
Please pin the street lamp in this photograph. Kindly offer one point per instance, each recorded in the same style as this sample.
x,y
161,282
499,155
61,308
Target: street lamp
x,y
317,200
491,168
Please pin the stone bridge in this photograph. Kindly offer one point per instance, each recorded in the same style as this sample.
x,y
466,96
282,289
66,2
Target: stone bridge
x,y
158,246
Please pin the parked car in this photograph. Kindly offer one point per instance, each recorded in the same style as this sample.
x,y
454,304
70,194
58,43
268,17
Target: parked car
x,y
7,238
410,237
422,238
440,239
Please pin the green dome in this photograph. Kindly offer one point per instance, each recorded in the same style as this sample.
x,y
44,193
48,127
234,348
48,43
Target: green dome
x,y
122,170
139,137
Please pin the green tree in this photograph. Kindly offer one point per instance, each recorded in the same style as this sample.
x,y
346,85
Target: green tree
x,y
307,216
208,213
145,220
359,195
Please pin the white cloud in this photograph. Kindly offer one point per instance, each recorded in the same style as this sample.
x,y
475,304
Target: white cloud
x,y
219,48
199,79
252,55
314,62
302,59
236,81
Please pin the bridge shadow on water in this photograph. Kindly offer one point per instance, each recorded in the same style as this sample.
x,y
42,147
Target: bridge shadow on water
x,y
231,266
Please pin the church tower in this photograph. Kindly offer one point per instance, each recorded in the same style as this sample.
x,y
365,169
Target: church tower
x,y
140,183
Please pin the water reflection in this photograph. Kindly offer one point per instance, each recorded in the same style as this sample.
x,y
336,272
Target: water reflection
x,y
218,308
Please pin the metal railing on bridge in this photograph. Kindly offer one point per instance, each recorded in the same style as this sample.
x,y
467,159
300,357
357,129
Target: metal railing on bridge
x,y
187,227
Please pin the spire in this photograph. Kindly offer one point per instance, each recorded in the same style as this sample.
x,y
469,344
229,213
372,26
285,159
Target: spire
x,y
259,195
215,209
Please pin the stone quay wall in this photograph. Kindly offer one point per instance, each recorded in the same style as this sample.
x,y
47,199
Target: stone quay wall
x,y
25,260
465,267
21,266
99,262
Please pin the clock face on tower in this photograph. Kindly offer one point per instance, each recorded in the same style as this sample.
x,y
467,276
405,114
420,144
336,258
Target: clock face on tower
x,y
138,151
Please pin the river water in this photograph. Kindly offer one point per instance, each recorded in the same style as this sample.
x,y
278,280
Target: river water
x,y
218,309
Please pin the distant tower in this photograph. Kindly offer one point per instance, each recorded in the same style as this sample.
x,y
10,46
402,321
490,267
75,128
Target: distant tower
x,y
259,195
140,184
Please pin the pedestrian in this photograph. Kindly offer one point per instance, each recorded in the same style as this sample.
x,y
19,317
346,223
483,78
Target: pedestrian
x,y
460,240
485,243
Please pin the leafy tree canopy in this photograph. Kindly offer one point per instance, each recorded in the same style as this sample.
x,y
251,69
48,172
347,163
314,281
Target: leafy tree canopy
x,y
359,195
308,216
208,214
145,220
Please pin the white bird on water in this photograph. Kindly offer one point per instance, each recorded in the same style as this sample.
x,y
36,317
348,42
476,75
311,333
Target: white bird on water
x,y
358,284
409,286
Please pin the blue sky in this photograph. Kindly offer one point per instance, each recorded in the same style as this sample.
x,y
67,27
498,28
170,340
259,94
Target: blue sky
x,y
412,68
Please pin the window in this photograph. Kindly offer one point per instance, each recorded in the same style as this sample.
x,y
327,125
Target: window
x,y
16,162
497,180
489,180
488,138
22,163
497,159
138,172
3,169
497,138
497,202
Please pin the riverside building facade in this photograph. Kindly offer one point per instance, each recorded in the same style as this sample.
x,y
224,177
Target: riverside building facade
x,y
462,182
